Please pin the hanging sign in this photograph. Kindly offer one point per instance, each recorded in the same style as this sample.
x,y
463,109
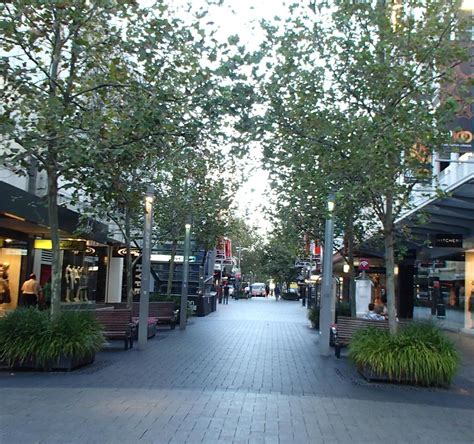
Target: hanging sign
x,y
364,264
46,244
448,241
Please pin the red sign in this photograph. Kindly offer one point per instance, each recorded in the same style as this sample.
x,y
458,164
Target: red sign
x,y
364,265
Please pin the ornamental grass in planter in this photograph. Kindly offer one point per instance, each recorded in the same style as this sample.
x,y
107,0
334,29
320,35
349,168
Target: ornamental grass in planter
x,y
419,354
29,338
313,316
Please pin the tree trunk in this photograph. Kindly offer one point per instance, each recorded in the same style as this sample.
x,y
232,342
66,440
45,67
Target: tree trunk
x,y
52,171
390,264
350,258
171,269
56,272
128,259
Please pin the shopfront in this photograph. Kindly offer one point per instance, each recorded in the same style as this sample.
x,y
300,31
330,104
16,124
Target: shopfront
x,y
443,272
444,291
25,247
84,269
13,260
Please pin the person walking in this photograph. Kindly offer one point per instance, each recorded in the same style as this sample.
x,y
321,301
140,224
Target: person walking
x,y
267,290
277,292
30,290
219,293
226,292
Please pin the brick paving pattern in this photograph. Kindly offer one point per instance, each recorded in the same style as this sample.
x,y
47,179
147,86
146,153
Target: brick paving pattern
x,y
248,373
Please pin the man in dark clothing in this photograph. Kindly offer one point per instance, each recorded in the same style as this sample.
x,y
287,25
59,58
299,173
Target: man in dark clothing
x,y
226,293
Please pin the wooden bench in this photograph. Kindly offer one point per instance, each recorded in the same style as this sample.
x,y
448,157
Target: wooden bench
x,y
346,327
164,312
117,325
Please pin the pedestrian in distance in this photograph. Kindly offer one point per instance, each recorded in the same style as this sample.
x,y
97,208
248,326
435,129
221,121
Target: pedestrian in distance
x,y
277,292
219,293
30,290
226,292
267,290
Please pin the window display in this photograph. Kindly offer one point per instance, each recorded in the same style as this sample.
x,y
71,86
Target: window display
x,y
10,271
79,277
4,284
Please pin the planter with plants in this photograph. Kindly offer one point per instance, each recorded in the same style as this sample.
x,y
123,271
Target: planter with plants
x,y
30,339
313,316
419,354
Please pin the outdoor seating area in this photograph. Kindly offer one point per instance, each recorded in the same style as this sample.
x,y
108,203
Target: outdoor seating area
x,y
121,323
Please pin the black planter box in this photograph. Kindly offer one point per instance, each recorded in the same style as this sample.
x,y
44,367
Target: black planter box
x,y
369,374
68,364
204,304
61,364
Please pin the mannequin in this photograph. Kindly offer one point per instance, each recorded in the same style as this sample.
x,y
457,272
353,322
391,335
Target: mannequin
x,y
69,283
83,284
75,279
4,284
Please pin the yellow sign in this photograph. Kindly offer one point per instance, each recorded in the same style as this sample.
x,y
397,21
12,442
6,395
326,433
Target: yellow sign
x,y
47,244
43,244
293,285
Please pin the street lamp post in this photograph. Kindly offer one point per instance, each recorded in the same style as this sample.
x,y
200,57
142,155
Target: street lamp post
x,y
145,282
184,284
327,310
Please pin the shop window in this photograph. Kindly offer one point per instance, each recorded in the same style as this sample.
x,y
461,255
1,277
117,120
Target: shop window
x,y
10,276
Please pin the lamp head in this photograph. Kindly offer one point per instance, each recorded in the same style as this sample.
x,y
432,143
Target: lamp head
x,y
150,195
331,202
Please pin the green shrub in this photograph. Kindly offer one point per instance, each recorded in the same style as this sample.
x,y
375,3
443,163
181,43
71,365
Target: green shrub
x,y
343,309
156,297
29,335
72,334
420,353
21,333
313,316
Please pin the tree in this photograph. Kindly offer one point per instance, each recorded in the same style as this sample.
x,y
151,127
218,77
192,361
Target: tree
x,y
280,252
309,143
57,61
381,64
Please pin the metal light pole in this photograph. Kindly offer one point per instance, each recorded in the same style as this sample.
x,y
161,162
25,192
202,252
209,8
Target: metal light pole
x,y
327,310
145,283
184,284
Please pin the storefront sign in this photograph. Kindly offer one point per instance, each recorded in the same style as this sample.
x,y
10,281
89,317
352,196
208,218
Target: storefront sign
x,y
137,279
122,252
15,251
47,244
167,258
448,241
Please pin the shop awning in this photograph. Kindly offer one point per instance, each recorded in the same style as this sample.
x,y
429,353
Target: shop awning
x,y
452,214
26,213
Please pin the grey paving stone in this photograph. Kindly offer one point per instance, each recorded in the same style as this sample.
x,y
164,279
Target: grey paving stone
x,y
250,372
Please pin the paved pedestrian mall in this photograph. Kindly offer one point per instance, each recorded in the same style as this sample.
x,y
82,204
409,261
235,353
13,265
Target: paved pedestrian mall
x,y
248,373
